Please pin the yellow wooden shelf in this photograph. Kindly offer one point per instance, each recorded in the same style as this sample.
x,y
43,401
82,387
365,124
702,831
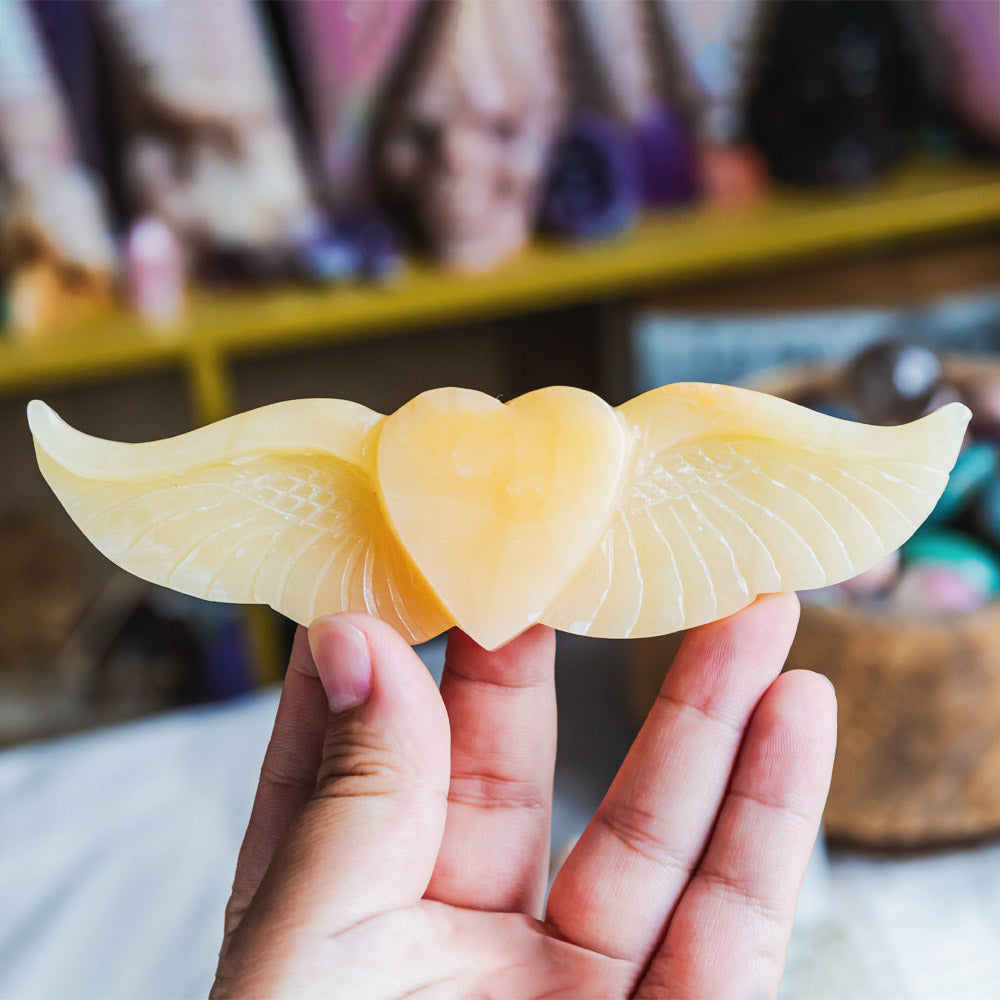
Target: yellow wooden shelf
x,y
927,198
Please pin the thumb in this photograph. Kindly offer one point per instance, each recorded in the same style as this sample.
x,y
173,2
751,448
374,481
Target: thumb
x,y
367,839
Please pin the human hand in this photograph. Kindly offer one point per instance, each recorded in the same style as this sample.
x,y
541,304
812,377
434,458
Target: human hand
x,y
398,844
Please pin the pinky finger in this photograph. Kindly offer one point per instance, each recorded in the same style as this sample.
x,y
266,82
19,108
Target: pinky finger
x,y
729,933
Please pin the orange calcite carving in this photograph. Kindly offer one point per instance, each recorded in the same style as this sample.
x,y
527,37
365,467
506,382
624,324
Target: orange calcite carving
x,y
677,508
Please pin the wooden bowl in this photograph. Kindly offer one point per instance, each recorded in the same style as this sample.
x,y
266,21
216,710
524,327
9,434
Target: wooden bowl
x,y
918,756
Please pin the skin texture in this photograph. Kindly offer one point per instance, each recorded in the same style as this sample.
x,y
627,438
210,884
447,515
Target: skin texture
x,y
399,841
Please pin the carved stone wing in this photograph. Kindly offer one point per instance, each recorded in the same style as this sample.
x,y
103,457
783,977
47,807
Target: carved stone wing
x,y
277,506
731,494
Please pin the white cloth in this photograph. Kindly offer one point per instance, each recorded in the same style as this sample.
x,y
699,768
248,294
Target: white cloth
x,y
905,927
117,851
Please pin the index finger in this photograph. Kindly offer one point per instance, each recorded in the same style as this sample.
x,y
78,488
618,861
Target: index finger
x,y
502,710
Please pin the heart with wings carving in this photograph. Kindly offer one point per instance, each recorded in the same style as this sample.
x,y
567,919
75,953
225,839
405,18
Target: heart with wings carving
x,y
676,508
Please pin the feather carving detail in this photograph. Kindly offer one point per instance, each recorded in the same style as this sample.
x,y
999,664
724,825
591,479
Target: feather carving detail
x,y
676,508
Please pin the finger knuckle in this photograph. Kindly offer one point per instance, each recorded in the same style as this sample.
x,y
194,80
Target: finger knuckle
x,y
485,789
359,763
638,830
751,898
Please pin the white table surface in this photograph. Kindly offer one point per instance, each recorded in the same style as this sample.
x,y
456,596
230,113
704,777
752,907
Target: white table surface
x,y
117,851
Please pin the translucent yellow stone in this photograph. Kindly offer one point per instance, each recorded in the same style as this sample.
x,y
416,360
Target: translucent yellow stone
x,y
500,504
731,493
679,507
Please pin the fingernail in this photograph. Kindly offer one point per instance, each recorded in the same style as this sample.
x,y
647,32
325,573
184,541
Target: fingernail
x,y
342,661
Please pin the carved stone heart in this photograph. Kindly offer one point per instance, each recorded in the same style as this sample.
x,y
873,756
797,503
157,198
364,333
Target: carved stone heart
x,y
498,505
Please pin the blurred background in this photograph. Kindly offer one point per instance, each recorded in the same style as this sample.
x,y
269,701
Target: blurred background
x,y
210,205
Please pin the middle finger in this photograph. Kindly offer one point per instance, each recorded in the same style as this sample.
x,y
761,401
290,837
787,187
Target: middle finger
x,y
618,887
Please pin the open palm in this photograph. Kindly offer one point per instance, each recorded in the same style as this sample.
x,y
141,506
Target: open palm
x,y
399,841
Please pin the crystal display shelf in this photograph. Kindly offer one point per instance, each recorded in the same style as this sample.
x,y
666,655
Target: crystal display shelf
x,y
924,199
